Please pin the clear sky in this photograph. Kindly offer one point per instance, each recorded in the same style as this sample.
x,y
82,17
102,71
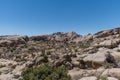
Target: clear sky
x,y
34,17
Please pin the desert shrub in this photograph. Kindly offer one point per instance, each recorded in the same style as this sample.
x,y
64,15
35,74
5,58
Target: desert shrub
x,y
45,58
46,72
118,50
102,78
108,65
2,66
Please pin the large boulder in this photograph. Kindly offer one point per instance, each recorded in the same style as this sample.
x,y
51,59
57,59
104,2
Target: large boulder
x,y
89,78
110,43
75,63
95,60
100,58
80,73
111,78
114,72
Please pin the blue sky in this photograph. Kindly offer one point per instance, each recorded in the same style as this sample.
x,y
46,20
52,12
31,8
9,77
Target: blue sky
x,y
34,17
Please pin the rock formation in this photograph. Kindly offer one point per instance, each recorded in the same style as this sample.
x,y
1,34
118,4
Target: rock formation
x,y
91,57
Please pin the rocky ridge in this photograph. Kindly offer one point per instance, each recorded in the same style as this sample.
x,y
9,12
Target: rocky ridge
x,y
93,57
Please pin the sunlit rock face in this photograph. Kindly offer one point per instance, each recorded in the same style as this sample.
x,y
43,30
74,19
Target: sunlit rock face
x,y
90,57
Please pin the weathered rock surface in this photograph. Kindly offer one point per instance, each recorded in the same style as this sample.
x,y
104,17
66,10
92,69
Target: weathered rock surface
x,y
79,73
106,33
87,57
89,78
111,78
109,43
114,72
13,40
59,36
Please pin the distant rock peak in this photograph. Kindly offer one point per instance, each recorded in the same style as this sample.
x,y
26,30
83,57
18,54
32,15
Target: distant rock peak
x,y
105,33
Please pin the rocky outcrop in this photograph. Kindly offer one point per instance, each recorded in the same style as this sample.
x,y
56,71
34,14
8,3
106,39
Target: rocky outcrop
x,y
93,57
59,36
106,33
38,38
13,40
112,43
102,58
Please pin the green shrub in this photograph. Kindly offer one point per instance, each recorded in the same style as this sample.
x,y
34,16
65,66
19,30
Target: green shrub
x,y
102,78
46,72
1,66
118,50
